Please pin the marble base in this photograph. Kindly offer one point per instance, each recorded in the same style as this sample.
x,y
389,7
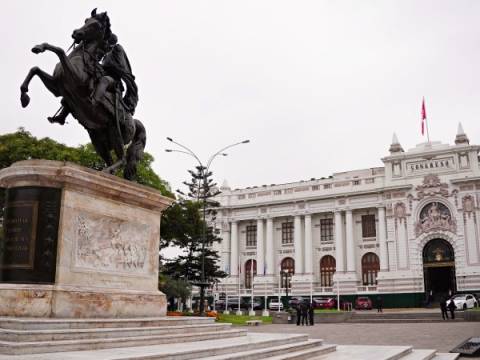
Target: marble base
x,y
106,261
51,301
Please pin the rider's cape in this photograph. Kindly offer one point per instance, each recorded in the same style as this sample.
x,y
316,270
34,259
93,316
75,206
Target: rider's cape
x,y
116,64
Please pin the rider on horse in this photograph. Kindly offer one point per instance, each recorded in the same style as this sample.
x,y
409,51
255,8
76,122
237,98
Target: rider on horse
x,y
113,69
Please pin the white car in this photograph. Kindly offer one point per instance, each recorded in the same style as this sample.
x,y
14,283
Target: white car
x,y
275,305
464,301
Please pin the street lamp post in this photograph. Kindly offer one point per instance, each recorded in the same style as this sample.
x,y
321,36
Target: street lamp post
x,y
286,275
202,195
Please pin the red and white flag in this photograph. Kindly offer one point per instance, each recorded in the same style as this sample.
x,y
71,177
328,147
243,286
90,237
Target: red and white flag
x,y
424,116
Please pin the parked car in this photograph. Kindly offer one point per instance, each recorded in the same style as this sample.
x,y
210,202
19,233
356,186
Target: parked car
x,y
257,305
275,305
220,305
294,302
463,301
233,304
363,303
326,303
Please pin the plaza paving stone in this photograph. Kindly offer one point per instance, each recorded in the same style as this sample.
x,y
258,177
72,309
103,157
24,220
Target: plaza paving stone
x,y
440,336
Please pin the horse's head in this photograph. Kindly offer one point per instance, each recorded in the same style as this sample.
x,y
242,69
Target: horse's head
x,y
96,27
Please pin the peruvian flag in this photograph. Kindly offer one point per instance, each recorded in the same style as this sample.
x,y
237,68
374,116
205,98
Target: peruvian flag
x,y
424,116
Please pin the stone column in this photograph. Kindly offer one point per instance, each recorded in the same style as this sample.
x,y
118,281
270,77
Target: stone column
x,y
382,239
269,249
297,243
234,249
350,241
308,244
260,247
339,249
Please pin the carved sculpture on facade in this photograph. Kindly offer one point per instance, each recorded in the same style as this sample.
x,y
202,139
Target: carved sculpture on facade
x,y
435,216
400,211
468,204
431,186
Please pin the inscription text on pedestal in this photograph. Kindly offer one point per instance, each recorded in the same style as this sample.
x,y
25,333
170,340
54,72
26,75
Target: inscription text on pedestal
x,y
20,228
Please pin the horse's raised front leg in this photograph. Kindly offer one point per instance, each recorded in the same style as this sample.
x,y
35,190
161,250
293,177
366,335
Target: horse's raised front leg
x,y
67,66
47,80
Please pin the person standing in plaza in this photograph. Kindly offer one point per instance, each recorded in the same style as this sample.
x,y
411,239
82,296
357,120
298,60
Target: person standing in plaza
x,y
311,314
451,306
443,308
299,314
379,304
304,309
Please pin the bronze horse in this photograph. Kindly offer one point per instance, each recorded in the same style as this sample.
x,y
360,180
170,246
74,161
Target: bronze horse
x,y
91,90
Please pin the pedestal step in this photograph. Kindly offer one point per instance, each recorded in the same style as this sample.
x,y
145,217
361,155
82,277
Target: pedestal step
x,y
298,350
105,333
15,348
206,349
420,355
51,323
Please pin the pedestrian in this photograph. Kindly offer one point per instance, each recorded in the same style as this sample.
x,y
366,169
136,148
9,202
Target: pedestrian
x,y
311,314
451,306
299,314
443,308
379,304
304,308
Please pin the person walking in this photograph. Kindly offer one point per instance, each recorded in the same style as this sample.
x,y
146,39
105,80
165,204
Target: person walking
x,y
451,306
311,314
299,314
443,308
379,304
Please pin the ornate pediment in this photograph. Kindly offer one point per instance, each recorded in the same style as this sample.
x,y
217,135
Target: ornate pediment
x,y
433,217
431,186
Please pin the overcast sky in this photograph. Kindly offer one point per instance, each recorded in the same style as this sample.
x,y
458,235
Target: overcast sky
x,y
317,86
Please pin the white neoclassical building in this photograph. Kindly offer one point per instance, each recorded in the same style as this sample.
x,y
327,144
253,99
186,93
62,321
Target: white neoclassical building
x,y
402,230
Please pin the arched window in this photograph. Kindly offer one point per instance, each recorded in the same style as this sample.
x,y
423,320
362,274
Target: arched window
x,y
248,272
327,269
287,267
370,268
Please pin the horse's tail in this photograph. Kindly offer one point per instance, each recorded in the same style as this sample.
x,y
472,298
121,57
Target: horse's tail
x,y
135,150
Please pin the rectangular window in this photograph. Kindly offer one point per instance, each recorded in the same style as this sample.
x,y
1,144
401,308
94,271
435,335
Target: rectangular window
x,y
327,186
277,192
326,230
287,232
251,235
368,226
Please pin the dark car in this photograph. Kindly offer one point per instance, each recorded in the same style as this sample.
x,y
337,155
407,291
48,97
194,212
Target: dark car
x,y
294,302
220,305
244,304
363,303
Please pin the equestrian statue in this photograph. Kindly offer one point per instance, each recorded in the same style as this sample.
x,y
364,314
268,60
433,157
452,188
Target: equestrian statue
x,y
98,89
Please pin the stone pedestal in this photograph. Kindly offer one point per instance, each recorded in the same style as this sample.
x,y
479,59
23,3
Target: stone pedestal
x,y
79,243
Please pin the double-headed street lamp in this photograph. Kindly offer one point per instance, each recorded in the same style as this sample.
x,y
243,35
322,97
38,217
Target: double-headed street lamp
x,y
201,194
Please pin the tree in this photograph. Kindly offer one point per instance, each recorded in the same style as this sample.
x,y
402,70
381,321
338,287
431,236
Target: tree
x,y
174,288
196,233
21,145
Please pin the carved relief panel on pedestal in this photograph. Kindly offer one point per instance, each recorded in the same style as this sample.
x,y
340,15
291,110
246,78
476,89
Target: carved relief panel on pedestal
x,y
110,244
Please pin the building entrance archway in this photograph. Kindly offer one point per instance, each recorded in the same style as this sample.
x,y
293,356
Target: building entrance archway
x,y
438,269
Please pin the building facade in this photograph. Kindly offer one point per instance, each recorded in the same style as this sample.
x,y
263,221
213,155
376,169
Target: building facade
x,y
405,230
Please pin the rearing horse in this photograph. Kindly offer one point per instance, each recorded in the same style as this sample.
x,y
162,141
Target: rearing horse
x,y
105,115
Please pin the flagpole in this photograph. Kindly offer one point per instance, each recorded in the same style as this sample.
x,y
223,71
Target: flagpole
x,y
239,312
251,313
279,285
